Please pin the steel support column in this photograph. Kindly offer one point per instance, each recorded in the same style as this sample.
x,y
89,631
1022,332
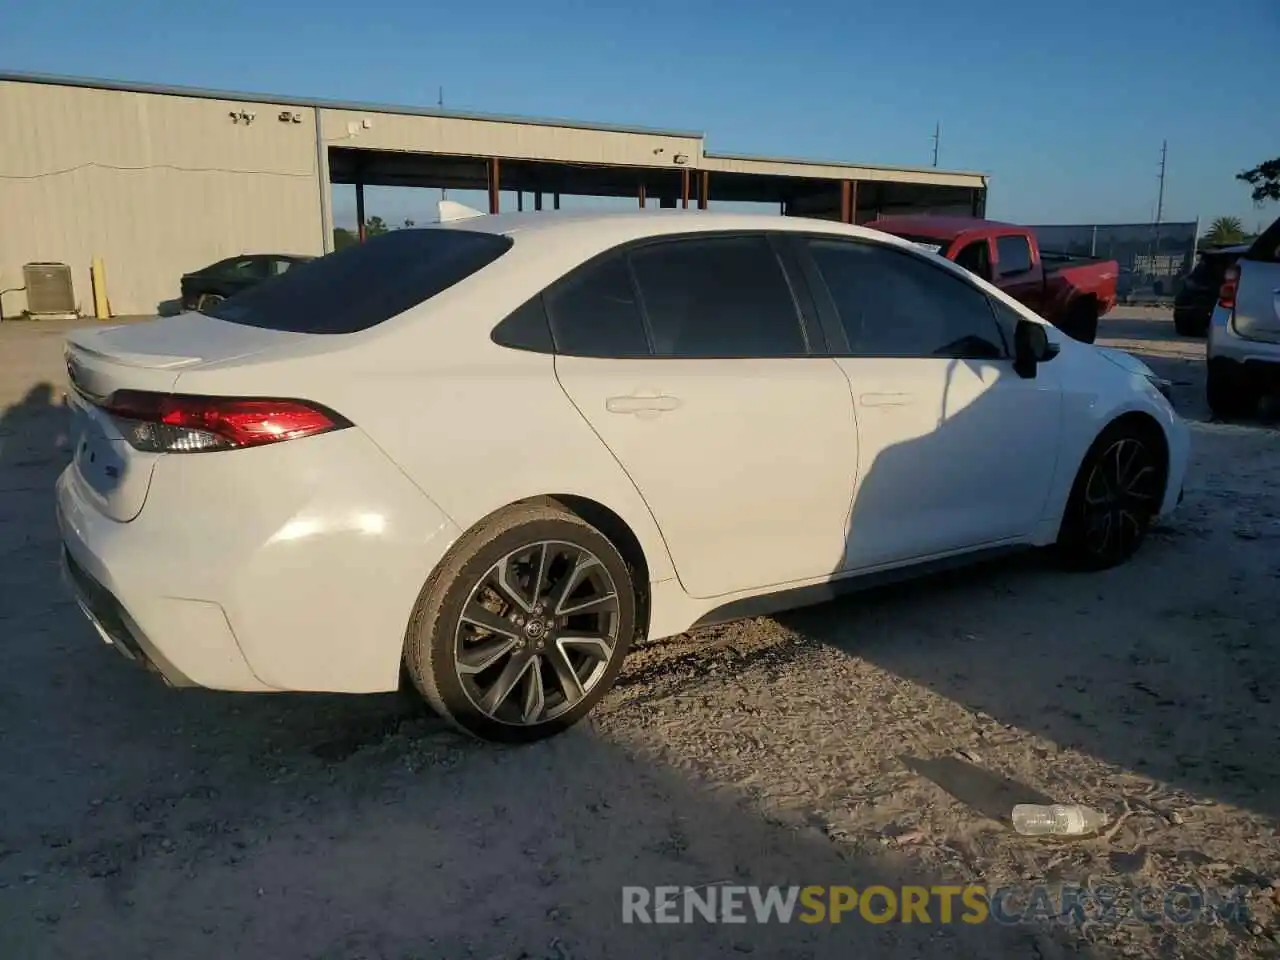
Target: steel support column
x,y
704,188
326,188
520,201
494,185
640,193
684,189
360,205
537,200
848,200
555,200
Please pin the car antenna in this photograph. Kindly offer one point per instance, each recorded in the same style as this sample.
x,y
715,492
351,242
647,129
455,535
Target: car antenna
x,y
452,210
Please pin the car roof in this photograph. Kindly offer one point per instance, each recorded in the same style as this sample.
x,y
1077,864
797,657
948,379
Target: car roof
x,y
622,225
1234,250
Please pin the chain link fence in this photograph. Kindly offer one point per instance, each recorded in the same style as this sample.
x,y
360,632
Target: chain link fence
x,y
1154,258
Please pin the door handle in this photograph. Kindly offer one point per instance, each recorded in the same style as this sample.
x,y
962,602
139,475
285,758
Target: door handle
x,y
642,405
886,399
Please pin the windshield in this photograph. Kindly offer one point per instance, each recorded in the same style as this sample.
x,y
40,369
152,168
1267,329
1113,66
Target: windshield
x,y
363,285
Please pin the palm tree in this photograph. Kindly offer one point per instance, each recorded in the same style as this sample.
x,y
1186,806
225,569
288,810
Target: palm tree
x,y
1223,231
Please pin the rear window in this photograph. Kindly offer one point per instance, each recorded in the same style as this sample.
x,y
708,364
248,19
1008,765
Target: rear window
x,y
362,285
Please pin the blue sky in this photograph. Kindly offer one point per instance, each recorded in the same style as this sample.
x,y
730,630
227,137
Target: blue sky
x,y
1063,104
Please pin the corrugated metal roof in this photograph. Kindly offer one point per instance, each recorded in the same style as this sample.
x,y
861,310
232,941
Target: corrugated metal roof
x,y
242,97
756,158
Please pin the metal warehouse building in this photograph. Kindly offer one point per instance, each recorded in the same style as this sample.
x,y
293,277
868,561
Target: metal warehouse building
x,y
157,181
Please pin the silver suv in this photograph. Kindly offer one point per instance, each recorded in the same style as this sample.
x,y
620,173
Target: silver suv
x,y
1244,335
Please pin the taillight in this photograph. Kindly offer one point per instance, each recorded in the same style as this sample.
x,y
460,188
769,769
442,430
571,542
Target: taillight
x,y
1227,292
177,423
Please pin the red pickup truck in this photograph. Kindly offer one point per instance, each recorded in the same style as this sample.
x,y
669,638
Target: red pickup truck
x,y
1070,292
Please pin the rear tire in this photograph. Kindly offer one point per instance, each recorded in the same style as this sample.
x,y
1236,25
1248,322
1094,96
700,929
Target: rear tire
x,y
524,626
207,300
1229,398
1186,328
1116,495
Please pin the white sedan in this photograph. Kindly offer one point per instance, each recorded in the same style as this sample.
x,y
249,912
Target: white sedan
x,y
499,450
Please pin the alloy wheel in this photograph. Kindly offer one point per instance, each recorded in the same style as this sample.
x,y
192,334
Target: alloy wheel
x,y
537,632
1120,497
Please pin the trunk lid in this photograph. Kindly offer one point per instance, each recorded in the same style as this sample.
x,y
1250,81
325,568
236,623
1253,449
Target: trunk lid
x,y
108,471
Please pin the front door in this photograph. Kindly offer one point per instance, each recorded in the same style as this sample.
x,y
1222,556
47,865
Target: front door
x,y
743,445
956,451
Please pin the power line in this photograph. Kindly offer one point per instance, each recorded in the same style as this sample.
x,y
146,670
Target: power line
x,y
1164,153
937,138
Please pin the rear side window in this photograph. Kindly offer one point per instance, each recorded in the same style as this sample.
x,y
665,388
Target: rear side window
x,y
1267,247
718,297
365,284
1013,254
593,312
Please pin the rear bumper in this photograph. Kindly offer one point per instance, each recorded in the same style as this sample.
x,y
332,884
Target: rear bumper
x,y
290,567
1256,360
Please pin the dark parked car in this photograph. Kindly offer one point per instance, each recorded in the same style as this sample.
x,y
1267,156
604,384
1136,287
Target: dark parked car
x,y
1194,304
204,287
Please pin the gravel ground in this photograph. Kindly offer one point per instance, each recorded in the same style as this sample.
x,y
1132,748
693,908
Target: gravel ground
x,y
880,739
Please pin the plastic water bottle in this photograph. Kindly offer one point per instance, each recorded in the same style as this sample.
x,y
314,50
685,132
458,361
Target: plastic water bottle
x,y
1058,819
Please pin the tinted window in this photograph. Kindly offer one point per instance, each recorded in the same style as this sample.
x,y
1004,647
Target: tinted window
x,y
525,328
1007,319
594,313
718,297
893,304
976,258
1013,254
238,268
1267,247
364,284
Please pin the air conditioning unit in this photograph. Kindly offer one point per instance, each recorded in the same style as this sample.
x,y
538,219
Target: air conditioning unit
x,y
50,292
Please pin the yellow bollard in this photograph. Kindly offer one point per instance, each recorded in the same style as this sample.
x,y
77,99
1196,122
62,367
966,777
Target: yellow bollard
x,y
98,274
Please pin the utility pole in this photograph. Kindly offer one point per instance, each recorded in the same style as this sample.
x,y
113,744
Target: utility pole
x,y
440,103
1164,152
937,138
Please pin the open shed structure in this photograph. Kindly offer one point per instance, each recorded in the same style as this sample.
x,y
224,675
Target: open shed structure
x,y
157,181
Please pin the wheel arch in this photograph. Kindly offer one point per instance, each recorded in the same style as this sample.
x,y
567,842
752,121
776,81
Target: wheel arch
x,y
1137,420
619,533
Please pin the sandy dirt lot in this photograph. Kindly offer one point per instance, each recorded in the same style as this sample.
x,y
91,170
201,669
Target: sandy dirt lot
x,y
878,740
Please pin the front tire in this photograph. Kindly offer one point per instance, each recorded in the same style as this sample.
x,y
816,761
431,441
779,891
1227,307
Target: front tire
x,y
524,627
1116,495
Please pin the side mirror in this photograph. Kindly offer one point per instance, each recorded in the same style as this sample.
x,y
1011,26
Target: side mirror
x,y
1031,347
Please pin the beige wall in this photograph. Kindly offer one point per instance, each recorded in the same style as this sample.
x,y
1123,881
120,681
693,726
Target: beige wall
x,y
492,138
155,185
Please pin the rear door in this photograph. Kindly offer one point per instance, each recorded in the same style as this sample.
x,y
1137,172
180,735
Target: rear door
x,y
690,360
1257,314
956,450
